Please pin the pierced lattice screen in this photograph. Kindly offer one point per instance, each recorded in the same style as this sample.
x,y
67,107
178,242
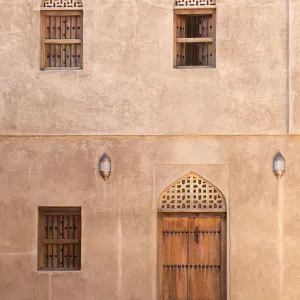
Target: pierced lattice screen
x,y
61,3
193,3
192,192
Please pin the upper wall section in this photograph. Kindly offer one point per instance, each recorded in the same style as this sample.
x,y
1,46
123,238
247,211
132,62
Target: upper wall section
x,y
128,84
294,44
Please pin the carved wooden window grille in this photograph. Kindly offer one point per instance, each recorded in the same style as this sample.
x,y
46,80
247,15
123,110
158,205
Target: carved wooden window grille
x,y
194,34
61,34
192,192
193,3
59,238
61,3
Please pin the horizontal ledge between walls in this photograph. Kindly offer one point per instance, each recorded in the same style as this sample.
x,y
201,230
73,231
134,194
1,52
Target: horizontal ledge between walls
x,y
5,136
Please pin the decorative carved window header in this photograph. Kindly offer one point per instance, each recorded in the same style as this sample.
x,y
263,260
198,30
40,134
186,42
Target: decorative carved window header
x,y
194,3
192,192
61,4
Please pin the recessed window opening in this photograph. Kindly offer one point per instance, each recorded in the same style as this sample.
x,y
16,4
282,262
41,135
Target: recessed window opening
x,y
59,237
199,54
61,34
194,35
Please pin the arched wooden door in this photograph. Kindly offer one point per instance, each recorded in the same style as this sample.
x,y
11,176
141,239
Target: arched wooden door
x,y
192,241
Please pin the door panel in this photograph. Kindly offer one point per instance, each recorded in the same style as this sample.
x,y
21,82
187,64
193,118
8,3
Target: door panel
x,y
190,257
175,238
205,258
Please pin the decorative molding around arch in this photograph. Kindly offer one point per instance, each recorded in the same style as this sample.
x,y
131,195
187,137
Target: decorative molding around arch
x,y
62,4
192,192
194,3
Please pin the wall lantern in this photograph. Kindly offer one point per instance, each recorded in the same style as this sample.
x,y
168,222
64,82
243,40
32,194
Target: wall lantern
x,y
105,166
279,165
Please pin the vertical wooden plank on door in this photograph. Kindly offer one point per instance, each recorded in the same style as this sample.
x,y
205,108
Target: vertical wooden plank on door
x,y
43,30
179,32
61,32
57,46
68,46
214,33
223,258
79,46
41,235
52,51
209,45
66,246
48,46
183,45
77,234
176,22
55,245
174,261
205,258
61,251
50,246
45,246
73,36
64,33
71,247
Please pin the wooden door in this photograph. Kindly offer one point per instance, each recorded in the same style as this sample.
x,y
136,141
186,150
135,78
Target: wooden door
x,y
175,258
192,258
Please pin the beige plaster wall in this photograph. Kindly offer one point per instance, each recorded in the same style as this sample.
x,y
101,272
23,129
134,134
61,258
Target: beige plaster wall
x,y
294,61
119,216
128,84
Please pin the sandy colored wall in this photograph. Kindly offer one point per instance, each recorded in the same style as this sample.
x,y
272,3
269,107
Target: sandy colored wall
x,y
294,61
119,216
128,84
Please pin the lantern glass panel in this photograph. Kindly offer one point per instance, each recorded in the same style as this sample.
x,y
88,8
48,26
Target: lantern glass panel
x,y
105,166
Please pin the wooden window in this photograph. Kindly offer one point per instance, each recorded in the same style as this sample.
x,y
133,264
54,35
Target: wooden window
x,y
61,34
192,256
194,34
59,238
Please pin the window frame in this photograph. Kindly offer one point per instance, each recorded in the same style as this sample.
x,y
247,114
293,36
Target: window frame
x,y
59,12
57,211
180,11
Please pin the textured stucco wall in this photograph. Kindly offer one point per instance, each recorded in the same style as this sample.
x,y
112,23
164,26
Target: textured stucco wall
x,y
128,84
294,61
119,216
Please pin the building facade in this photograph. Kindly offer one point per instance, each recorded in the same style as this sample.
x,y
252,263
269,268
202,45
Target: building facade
x,y
157,123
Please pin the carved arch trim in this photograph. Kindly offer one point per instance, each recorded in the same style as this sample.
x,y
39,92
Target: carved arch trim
x,y
63,4
192,192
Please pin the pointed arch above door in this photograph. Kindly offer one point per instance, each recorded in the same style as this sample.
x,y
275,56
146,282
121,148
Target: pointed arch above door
x,y
192,192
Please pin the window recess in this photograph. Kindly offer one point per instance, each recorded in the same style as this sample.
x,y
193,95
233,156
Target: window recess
x,y
61,39
59,238
194,37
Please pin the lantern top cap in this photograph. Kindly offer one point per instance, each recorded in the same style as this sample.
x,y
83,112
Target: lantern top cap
x,y
279,156
105,156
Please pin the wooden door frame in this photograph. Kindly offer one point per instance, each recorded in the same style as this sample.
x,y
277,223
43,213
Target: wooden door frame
x,y
223,215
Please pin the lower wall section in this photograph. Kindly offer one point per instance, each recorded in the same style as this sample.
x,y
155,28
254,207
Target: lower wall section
x,y
119,215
